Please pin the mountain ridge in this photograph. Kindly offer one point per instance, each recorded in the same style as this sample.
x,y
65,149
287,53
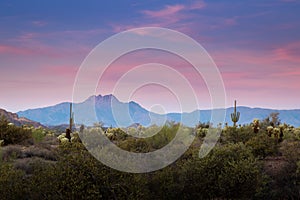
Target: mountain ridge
x,y
18,121
59,113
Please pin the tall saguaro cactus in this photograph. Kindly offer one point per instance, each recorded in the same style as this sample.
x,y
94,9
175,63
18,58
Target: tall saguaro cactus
x,y
235,116
69,130
71,118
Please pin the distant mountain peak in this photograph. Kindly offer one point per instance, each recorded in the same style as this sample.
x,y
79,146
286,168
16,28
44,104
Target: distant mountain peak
x,y
100,97
107,106
109,97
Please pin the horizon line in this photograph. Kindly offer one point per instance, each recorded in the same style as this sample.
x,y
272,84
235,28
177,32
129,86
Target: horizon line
x,y
170,112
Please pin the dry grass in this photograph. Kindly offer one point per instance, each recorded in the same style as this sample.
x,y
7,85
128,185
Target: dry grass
x,y
28,164
11,152
274,165
35,151
45,150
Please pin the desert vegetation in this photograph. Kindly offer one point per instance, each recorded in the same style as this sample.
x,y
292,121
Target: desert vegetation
x,y
253,161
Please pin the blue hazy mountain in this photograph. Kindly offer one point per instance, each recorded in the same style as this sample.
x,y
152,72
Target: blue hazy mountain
x,y
110,111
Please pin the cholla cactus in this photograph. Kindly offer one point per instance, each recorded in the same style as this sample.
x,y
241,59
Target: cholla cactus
x,y
202,132
282,127
115,134
255,125
110,135
225,127
235,116
297,133
132,131
61,137
64,141
75,137
276,133
270,130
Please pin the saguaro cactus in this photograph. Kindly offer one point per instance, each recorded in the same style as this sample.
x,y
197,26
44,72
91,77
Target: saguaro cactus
x,y
69,130
235,116
71,118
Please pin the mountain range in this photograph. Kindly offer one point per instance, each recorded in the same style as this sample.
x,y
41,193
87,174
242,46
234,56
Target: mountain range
x,y
111,112
18,121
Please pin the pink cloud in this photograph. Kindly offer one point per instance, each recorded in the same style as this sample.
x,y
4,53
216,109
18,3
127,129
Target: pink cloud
x,y
66,35
173,10
249,76
27,36
34,50
234,75
173,13
237,57
259,71
288,1
230,21
67,43
66,72
167,11
121,27
291,74
288,52
239,68
170,16
197,5
182,18
39,23
7,49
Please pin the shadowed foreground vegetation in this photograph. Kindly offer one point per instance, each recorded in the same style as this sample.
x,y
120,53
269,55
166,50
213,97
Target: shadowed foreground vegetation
x,y
256,161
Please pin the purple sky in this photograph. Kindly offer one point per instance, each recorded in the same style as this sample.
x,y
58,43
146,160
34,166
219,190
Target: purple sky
x,y
255,44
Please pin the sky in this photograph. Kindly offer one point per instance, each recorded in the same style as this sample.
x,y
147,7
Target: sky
x,y
255,45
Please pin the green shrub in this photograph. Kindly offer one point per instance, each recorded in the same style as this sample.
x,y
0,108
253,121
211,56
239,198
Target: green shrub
x,y
167,183
235,135
135,145
262,145
77,175
38,134
291,150
11,183
229,171
163,137
11,134
116,134
286,183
